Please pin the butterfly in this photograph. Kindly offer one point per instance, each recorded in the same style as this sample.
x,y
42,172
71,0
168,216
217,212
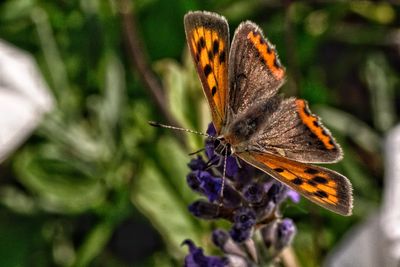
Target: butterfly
x,y
277,135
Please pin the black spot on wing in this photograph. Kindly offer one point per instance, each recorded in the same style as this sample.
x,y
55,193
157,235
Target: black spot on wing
x,y
214,90
222,57
311,171
207,70
312,183
210,55
320,180
297,181
202,42
321,194
306,111
269,50
215,47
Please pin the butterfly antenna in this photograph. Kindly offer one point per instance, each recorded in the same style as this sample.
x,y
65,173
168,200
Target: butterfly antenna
x,y
223,177
160,125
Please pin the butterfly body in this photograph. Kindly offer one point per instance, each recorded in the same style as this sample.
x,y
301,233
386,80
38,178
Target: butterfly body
x,y
278,135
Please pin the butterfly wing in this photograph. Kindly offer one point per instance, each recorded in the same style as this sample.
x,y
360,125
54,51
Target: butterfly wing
x,y
325,187
294,132
207,35
255,72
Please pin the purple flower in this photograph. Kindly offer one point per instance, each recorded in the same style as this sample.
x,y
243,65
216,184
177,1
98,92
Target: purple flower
x,y
231,166
279,234
235,252
293,195
210,143
251,202
231,197
254,192
203,182
220,238
244,220
285,233
210,151
278,192
246,174
205,210
196,257
210,185
211,130
197,164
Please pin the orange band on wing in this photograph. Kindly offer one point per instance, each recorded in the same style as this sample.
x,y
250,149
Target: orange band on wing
x,y
209,52
268,54
317,185
314,125
304,176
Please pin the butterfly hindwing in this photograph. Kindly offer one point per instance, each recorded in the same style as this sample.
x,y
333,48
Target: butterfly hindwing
x,y
255,72
207,35
291,130
325,187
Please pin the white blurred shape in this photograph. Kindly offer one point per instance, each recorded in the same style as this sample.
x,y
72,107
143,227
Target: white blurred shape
x,y
390,218
376,242
24,97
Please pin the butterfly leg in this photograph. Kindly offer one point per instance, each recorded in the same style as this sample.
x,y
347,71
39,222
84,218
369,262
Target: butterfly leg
x,y
211,162
197,152
238,162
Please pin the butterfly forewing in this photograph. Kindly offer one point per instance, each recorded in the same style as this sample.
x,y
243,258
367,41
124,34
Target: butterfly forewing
x,y
207,35
255,72
325,187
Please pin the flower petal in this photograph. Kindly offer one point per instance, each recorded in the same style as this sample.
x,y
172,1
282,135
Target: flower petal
x,y
196,257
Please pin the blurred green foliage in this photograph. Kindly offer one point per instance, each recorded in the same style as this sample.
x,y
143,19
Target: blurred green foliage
x,y
96,185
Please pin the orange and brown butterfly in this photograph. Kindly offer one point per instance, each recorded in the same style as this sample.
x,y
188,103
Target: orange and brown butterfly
x,y
277,135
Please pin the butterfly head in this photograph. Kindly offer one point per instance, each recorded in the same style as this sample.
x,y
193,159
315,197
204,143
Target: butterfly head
x,y
222,147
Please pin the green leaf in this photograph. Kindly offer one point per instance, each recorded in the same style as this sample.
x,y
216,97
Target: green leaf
x,y
20,237
114,93
158,200
380,80
173,160
59,185
94,243
17,9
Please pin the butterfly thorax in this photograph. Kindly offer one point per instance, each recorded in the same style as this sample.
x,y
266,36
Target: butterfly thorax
x,y
246,125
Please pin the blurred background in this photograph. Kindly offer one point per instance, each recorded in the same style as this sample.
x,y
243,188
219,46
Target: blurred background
x,y
85,181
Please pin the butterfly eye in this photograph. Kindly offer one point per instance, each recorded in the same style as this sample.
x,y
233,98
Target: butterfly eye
x,y
217,142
